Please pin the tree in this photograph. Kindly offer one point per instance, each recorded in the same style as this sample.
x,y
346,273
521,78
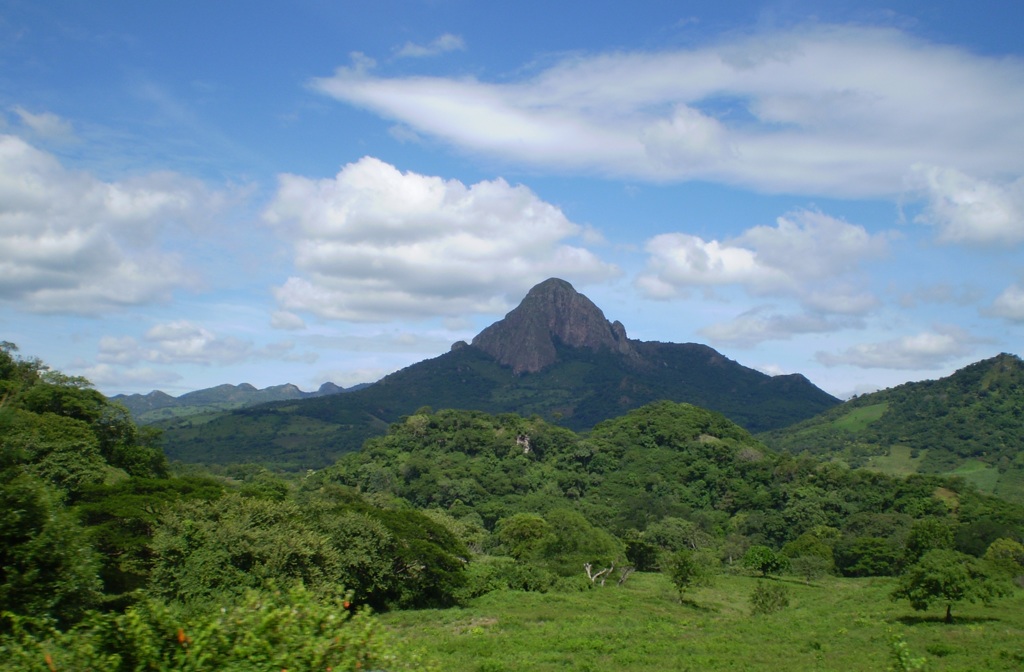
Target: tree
x,y
925,535
47,568
1006,556
765,560
943,575
686,569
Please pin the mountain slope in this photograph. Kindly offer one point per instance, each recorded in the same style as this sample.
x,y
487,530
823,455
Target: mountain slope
x,y
555,356
970,423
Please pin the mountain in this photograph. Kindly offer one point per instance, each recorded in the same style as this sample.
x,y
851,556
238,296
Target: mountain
x,y
555,356
157,405
552,313
970,424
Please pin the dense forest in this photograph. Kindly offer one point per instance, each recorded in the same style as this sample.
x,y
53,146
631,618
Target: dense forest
x,y
111,558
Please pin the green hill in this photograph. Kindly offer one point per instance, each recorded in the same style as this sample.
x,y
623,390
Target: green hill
x,y
969,424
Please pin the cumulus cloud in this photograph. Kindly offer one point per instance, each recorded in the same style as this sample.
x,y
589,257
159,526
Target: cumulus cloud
x,y
376,244
1009,305
440,45
965,209
926,350
71,243
806,255
833,110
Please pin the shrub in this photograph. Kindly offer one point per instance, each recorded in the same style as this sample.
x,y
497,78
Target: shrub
x,y
768,598
267,630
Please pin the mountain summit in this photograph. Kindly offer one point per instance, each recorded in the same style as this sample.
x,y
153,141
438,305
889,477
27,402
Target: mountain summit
x,y
552,313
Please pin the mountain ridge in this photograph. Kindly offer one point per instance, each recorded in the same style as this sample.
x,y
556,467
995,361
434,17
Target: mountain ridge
x,y
158,405
555,356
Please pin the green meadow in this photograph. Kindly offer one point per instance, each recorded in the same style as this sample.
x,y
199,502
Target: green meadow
x,y
831,624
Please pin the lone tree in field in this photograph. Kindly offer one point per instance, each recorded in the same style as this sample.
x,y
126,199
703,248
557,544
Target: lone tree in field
x,y
685,570
943,575
765,560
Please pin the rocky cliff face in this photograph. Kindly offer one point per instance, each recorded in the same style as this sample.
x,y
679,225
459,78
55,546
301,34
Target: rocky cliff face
x,y
552,312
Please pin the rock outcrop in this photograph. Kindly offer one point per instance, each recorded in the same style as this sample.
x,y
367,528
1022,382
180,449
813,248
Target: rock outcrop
x,y
552,313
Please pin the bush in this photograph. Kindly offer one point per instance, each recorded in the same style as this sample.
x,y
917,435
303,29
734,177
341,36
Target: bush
x,y
271,630
768,598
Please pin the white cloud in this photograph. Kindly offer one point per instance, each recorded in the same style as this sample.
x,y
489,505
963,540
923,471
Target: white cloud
x,y
759,325
176,342
105,375
806,255
440,45
46,125
833,110
965,209
70,243
926,350
1009,305
282,319
185,342
376,244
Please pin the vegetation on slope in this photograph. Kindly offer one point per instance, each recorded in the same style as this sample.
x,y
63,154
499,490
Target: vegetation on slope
x,y
970,423
583,388
110,561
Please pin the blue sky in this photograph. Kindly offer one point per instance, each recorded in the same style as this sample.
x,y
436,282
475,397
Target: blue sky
x,y
196,193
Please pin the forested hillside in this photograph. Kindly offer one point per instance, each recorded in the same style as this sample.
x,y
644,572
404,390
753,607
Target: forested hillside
x,y
970,423
111,561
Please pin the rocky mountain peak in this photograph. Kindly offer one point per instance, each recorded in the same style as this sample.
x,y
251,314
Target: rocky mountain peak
x,y
552,312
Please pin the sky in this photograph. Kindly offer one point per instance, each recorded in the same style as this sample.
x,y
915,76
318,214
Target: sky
x,y
195,193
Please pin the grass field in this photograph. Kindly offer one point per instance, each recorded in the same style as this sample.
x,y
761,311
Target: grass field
x,y
859,418
898,462
833,624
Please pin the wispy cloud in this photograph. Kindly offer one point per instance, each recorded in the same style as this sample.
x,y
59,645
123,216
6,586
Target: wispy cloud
x,y
922,351
834,110
46,125
440,45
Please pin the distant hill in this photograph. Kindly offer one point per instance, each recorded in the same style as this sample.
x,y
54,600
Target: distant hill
x,y
554,356
157,405
969,424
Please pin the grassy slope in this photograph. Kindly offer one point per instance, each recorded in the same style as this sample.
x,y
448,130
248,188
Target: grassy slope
x,y
833,624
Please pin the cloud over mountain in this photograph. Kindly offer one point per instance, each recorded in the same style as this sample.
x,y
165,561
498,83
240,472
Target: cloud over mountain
x,y
375,244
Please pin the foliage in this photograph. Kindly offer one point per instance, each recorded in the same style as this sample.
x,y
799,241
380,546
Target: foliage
x,y
810,567
764,560
265,630
946,576
47,567
1006,556
903,660
970,416
768,597
687,569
